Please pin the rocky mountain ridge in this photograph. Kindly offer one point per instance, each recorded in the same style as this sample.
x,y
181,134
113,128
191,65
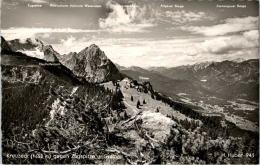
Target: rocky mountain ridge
x,y
90,63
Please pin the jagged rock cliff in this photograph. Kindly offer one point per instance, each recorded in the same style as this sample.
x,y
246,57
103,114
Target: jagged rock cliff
x,y
92,64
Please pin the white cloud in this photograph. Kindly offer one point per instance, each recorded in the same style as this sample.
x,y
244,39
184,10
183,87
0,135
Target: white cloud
x,y
23,32
34,53
168,52
129,18
69,41
46,35
222,45
252,35
182,16
230,25
70,44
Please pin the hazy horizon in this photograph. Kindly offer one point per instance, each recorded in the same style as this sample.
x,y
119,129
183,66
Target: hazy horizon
x,y
135,33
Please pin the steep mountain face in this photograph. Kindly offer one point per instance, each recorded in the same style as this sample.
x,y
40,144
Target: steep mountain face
x,y
34,48
50,54
228,79
92,64
4,45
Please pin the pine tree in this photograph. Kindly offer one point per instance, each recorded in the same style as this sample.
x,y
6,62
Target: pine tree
x,y
132,99
144,101
138,104
125,115
152,96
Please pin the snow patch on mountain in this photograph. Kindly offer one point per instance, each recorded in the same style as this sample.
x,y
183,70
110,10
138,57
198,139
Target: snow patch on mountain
x,y
33,53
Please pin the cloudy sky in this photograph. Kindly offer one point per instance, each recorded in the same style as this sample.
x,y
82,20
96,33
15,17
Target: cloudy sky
x,y
139,32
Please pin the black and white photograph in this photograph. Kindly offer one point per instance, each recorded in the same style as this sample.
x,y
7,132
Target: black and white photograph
x,y
129,82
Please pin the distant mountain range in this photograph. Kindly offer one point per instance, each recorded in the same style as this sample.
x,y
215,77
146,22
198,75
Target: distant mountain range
x,y
169,86
226,79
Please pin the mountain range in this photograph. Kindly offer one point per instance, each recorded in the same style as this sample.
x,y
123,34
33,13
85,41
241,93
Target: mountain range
x,y
90,63
226,79
80,108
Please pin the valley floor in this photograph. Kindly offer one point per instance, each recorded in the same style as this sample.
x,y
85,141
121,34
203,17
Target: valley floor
x,y
227,111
